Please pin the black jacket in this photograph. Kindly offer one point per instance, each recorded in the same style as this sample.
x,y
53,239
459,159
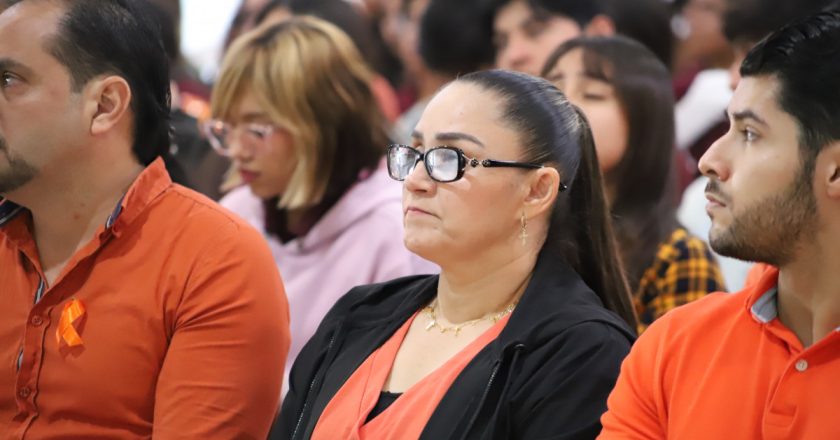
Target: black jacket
x,y
547,375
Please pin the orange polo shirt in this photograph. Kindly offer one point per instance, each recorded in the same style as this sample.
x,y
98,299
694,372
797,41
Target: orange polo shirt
x,y
725,367
181,328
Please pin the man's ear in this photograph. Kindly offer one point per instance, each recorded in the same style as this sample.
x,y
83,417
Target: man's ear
x,y
831,166
110,99
542,191
600,26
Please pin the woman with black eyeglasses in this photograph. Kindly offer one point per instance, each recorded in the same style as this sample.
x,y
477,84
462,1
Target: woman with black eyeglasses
x,y
523,332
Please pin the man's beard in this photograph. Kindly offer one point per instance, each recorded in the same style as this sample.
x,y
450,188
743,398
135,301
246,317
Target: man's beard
x,y
770,230
17,173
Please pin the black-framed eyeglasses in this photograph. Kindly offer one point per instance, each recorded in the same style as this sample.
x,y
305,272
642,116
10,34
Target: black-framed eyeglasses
x,y
443,164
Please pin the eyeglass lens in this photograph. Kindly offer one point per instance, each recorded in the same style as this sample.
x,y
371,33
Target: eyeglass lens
x,y
442,164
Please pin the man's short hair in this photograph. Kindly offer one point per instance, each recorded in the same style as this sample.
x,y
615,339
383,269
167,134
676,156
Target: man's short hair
x,y
805,58
119,37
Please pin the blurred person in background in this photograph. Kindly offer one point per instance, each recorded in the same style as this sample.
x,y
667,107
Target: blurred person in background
x,y
243,20
702,57
431,57
526,32
626,93
353,21
761,363
522,333
745,23
201,169
306,138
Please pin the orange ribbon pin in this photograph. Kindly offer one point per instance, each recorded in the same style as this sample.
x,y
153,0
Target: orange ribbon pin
x,y
73,311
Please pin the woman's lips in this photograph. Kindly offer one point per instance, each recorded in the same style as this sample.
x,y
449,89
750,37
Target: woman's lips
x,y
248,176
411,210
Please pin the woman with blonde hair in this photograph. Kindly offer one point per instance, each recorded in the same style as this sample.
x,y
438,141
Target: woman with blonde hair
x,y
293,112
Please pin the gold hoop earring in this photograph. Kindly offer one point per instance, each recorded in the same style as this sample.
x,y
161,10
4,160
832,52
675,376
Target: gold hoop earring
x,y
523,231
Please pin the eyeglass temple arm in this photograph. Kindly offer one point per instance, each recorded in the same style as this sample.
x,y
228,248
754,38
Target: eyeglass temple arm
x,y
490,163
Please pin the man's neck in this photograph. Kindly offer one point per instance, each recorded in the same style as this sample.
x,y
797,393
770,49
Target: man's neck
x,y
809,292
68,210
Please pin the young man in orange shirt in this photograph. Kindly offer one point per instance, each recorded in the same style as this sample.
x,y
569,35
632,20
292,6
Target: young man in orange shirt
x,y
762,363
132,307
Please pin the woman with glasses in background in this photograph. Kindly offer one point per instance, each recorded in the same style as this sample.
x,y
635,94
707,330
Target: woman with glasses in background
x,y
294,114
523,332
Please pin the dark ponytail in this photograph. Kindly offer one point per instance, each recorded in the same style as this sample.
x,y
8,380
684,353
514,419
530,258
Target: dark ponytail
x,y
553,131
596,252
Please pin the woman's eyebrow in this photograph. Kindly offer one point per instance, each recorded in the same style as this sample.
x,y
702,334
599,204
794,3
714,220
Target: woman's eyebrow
x,y
457,136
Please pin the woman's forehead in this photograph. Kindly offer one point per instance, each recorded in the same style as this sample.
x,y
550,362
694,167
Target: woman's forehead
x,y
471,112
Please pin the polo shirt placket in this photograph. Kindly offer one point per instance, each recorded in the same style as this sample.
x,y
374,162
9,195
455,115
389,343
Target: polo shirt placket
x,y
782,410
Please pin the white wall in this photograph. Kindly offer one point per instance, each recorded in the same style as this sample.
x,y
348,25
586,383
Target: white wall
x,y
204,24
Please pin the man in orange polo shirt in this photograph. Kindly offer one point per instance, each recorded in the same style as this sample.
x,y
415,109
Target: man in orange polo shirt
x,y
131,307
763,363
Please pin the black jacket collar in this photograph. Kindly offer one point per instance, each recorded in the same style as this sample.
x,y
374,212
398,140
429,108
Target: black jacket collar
x,y
556,296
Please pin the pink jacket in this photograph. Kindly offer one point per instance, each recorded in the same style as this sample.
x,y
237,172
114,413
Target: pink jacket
x,y
358,241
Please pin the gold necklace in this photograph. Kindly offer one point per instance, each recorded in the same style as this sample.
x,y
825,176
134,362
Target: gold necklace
x,y
431,312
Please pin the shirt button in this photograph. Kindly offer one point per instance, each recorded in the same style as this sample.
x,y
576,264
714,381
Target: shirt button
x,y
24,392
801,365
36,320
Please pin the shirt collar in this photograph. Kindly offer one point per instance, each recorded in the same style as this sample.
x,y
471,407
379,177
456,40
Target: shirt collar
x,y
764,309
8,211
150,184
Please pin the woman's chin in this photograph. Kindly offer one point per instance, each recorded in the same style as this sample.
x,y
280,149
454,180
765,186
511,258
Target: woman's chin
x,y
423,247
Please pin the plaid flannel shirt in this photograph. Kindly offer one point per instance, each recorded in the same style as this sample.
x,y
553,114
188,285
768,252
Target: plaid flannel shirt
x,y
682,271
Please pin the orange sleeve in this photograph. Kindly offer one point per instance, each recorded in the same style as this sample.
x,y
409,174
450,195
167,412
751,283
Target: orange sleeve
x,y
222,374
635,408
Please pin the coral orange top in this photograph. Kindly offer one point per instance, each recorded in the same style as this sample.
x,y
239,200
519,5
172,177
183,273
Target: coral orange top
x,y
346,414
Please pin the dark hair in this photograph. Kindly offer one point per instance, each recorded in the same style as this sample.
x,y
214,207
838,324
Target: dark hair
x,y
748,21
470,49
582,12
644,203
646,21
119,37
167,17
805,58
554,131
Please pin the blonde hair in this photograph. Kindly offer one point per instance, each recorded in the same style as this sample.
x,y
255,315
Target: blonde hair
x,y
311,81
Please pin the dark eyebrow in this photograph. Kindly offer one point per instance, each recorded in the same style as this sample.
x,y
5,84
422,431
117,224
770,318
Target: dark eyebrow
x,y
455,136
450,136
10,64
748,114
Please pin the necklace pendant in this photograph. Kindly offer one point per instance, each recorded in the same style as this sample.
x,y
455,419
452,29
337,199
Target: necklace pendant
x,y
430,325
